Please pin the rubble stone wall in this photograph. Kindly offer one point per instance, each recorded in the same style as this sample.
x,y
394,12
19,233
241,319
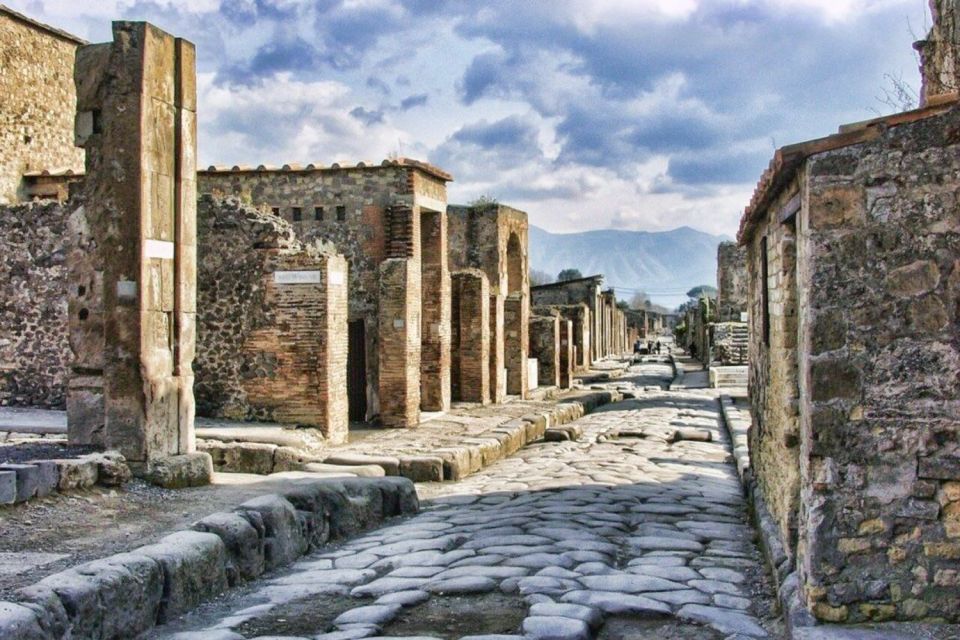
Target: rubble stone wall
x,y
731,282
940,51
34,348
731,343
470,370
583,291
271,347
879,240
39,102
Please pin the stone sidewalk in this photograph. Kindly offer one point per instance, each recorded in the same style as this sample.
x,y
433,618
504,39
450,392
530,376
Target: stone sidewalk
x,y
626,533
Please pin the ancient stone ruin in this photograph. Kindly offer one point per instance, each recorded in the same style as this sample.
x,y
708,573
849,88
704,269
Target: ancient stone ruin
x,y
851,249
132,258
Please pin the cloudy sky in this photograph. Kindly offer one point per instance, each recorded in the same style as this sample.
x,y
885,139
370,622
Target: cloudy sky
x,y
588,114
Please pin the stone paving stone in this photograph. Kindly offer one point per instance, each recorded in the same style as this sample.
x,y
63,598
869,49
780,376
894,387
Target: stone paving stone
x,y
372,615
577,531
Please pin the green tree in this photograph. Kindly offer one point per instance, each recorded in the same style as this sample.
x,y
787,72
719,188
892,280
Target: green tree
x,y
702,290
569,274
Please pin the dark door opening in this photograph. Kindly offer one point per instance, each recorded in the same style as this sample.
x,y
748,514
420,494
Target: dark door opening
x,y
357,371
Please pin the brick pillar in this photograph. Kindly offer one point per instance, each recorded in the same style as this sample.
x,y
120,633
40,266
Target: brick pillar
x,y
498,376
567,351
133,266
471,352
545,347
399,330
516,312
435,330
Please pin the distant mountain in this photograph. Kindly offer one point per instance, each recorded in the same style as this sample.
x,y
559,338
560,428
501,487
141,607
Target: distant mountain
x,y
665,264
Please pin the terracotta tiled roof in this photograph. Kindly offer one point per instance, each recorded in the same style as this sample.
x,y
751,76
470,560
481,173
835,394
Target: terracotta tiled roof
x,y
787,159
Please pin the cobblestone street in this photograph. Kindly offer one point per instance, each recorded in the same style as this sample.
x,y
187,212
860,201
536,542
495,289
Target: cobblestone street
x,y
637,530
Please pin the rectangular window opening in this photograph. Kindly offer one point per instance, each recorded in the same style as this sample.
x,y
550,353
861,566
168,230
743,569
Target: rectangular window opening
x,y
275,210
341,213
318,213
297,214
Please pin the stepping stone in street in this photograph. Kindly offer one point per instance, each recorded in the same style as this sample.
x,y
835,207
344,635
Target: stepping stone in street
x,y
462,585
372,615
555,628
723,620
617,603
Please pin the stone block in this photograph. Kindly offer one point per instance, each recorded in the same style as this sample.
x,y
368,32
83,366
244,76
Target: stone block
x,y
284,538
50,612
112,469
405,502
18,622
456,462
179,472
390,464
78,473
194,570
243,544
48,477
343,470
8,487
422,468
28,479
115,597
249,457
945,467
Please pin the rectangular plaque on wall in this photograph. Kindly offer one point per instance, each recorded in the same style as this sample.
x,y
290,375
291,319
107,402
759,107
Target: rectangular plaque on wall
x,y
296,277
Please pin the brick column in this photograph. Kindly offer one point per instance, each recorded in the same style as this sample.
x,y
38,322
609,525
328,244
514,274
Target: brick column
x,y
498,376
133,266
545,347
399,330
435,284
471,350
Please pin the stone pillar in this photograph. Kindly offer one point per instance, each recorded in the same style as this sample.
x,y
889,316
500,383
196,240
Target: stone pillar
x,y
471,330
940,51
498,375
545,347
567,351
133,261
516,313
399,330
435,330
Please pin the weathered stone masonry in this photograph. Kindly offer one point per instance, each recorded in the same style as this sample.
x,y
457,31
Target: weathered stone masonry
x,y
373,215
132,261
585,291
39,102
272,320
494,239
470,348
853,245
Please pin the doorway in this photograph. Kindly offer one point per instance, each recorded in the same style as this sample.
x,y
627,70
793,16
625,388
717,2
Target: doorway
x,y
357,371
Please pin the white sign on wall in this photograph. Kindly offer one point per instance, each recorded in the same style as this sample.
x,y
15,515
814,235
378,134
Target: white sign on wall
x,y
296,277
336,277
743,316
126,289
162,249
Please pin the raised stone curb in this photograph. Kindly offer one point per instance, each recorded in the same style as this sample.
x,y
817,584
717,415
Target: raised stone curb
x,y
451,462
123,595
738,425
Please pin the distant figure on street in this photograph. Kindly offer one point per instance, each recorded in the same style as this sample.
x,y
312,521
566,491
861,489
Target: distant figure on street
x,y
636,346
658,346
693,350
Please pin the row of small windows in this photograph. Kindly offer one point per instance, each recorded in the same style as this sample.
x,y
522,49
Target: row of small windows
x,y
319,214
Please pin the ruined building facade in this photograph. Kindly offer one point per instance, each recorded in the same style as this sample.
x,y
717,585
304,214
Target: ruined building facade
x,y
940,52
389,221
39,103
728,334
852,245
493,239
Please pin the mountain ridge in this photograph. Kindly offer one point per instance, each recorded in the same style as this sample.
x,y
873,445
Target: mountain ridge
x,y
664,264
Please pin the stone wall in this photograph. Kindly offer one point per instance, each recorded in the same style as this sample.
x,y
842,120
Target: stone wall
x,y
39,102
370,214
773,383
545,347
864,361
732,282
34,350
731,342
581,291
271,346
940,51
